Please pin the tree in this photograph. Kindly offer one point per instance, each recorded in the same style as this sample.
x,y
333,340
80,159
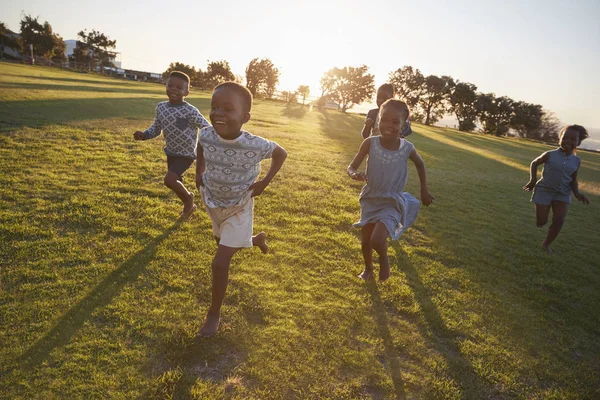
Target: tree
x,y
6,39
348,86
433,98
526,119
409,84
44,41
304,91
289,97
262,77
177,66
494,113
550,127
216,72
94,48
462,100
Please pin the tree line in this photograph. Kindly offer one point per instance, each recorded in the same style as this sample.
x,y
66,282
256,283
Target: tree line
x,y
429,97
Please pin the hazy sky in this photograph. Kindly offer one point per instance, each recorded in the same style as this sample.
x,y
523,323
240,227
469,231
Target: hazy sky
x,y
544,52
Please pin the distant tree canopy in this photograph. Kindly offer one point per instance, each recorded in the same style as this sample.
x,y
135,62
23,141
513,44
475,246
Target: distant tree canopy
x,y
304,91
45,42
461,101
409,85
94,48
262,77
347,86
6,39
216,72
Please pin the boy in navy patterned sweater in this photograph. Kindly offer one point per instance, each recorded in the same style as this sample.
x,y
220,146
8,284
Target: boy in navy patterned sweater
x,y
180,122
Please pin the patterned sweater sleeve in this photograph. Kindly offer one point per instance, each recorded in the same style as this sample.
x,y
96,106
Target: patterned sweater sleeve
x,y
156,128
198,120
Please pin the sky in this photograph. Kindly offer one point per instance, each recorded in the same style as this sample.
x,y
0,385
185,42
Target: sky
x,y
542,52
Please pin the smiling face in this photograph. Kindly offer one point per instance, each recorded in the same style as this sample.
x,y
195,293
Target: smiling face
x,y
569,141
383,94
391,122
228,113
177,89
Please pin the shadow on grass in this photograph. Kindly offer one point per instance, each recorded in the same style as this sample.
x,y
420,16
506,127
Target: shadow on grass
x,y
294,111
77,88
391,360
99,297
340,126
38,113
444,340
101,80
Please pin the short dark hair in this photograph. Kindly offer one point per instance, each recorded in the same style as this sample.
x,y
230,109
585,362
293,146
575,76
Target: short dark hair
x,y
180,75
240,90
398,105
387,87
581,132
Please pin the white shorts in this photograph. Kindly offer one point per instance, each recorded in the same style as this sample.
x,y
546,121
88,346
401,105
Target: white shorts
x,y
232,225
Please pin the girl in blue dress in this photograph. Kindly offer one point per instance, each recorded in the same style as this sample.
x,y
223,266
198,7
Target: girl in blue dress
x,y
559,178
385,209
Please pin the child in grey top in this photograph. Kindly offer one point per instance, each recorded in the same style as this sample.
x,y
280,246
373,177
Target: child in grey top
x,y
179,121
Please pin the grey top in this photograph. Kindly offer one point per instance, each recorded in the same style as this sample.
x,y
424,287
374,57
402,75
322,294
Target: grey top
x,y
179,124
383,198
558,171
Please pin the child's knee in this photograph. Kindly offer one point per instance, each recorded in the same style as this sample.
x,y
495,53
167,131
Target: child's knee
x,y
170,179
379,246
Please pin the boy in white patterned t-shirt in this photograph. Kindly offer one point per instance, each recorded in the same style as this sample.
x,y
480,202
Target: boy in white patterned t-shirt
x,y
179,121
227,167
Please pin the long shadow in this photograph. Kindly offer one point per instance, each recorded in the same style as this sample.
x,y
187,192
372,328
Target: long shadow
x,y
292,111
99,297
76,88
444,340
391,360
343,127
110,81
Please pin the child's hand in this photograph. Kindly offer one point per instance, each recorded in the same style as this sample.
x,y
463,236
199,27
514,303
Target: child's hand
x,y
358,176
258,187
426,197
529,187
582,198
369,122
138,135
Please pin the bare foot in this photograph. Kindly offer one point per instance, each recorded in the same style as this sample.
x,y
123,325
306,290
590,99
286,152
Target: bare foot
x,y
366,274
384,273
189,207
547,249
260,240
210,327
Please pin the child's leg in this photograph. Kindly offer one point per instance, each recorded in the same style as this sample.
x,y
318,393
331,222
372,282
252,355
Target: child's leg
x,y
220,280
260,240
541,214
559,213
379,243
367,251
172,182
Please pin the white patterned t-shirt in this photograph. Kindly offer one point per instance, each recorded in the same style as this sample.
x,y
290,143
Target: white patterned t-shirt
x,y
231,165
180,124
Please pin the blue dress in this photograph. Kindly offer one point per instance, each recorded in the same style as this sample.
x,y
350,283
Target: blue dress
x,y
554,185
383,198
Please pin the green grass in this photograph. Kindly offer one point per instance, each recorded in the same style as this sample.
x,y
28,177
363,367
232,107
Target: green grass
x,y
102,291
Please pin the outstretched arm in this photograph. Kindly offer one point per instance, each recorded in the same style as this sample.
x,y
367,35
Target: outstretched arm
x,y
533,171
278,157
426,197
358,159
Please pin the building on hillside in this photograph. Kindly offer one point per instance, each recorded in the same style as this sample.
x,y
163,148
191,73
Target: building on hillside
x,y
70,48
11,52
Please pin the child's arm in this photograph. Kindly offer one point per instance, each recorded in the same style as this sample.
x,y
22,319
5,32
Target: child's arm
x,y
200,165
533,171
199,121
278,157
575,188
358,159
152,132
426,197
366,131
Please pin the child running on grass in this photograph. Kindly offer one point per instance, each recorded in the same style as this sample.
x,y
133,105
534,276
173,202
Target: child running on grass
x,y
559,178
179,121
385,209
226,171
371,127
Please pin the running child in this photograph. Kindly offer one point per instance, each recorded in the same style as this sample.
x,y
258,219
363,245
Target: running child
x,y
559,179
371,127
385,209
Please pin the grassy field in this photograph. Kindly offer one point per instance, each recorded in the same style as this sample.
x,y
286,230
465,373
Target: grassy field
x,y
102,290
